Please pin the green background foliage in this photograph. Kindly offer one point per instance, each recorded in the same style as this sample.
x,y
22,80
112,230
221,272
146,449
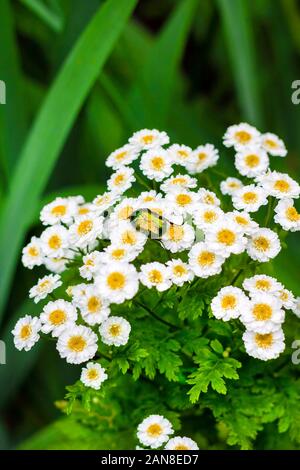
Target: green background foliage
x,y
81,76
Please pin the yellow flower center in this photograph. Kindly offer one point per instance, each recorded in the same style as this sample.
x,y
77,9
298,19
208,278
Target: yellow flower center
x,y
155,276
116,280
202,156
179,270
209,216
261,243
284,296
252,160
243,137
54,242
250,197
228,302
101,200
175,233
262,312
43,285
115,329
179,180
271,143
282,186
148,139
77,343
92,374
129,237
208,199
59,210
234,185
154,430
263,284
57,317
264,341
119,179
125,212
206,258
84,227
182,153
90,262
25,332
292,214
241,220
118,253
181,447
148,198
94,304
157,163
120,156
183,199
33,251
83,210
226,237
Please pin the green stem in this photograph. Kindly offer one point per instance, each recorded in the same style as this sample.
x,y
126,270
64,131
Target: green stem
x,y
161,320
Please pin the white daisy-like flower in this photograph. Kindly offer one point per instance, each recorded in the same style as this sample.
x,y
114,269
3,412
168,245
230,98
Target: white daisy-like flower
x,y
252,161
93,375
181,443
203,157
154,431
26,332
117,282
229,303
204,261
279,185
287,215
183,200
91,264
263,245
241,135
180,272
273,145
57,316
94,308
76,292
125,234
124,210
206,215
264,346
226,237
156,164
208,197
149,196
61,210
230,186
32,254
45,286
262,283
178,237
85,231
287,298
84,209
147,139
296,308
104,201
156,275
77,344
121,180
55,240
122,156
250,198
121,253
243,219
115,331
264,314
179,181
56,265
180,154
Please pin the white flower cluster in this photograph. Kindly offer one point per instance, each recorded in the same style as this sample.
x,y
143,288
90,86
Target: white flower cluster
x,y
105,238
155,430
262,312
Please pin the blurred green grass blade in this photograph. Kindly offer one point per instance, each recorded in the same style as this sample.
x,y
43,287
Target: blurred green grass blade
x,y
152,94
50,17
52,127
12,115
18,364
235,15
